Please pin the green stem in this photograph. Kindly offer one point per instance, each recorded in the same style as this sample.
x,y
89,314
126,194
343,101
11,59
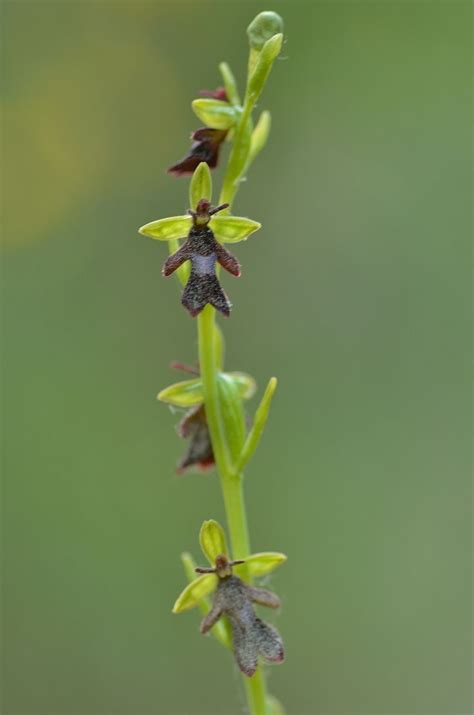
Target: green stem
x,y
238,156
231,484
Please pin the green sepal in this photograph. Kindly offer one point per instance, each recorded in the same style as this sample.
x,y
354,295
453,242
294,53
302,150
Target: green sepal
x,y
166,229
263,563
215,113
259,76
219,630
196,590
229,83
189,393
260,135
261,416
183,394
274,706
212,540
231,229
201,185
232,412
264,26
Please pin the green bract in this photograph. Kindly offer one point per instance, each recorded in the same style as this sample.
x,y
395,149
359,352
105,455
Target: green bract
x,y
215,113
231,229
232,412
263,563
201,185
261,416
260,135
166,229
264,26
267,56
212,540
199,588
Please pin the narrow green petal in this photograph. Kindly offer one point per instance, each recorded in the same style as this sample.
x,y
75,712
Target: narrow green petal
x,y
183,394
212,540
199,588
231,229
201,185
229,83
221,629
215,113
245,384
263,563
167,228
261,416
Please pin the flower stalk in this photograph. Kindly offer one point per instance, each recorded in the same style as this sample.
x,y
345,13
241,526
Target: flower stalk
x,y
216,397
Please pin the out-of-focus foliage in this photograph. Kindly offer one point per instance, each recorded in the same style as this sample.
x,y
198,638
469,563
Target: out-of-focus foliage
x,y
353,293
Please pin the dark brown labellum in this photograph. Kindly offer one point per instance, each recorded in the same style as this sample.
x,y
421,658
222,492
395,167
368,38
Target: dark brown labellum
x,y
251,636
202,249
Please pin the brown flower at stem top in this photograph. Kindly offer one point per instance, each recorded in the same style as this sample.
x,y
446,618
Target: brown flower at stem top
x,y
206,144
202,249
251,636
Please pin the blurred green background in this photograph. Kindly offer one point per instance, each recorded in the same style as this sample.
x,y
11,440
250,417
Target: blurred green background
x,y
354,294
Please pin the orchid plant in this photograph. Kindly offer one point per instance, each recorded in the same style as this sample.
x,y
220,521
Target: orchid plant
x,y
214,421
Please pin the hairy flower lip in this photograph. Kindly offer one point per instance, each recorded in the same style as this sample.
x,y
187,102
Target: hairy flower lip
x,y
203,251
251,636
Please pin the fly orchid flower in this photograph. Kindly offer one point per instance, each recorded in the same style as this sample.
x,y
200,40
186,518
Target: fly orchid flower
x,y
234,599
193,426
204,233
203,251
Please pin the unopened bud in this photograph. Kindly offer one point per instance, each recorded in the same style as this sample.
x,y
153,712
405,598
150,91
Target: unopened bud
x,y
263,27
